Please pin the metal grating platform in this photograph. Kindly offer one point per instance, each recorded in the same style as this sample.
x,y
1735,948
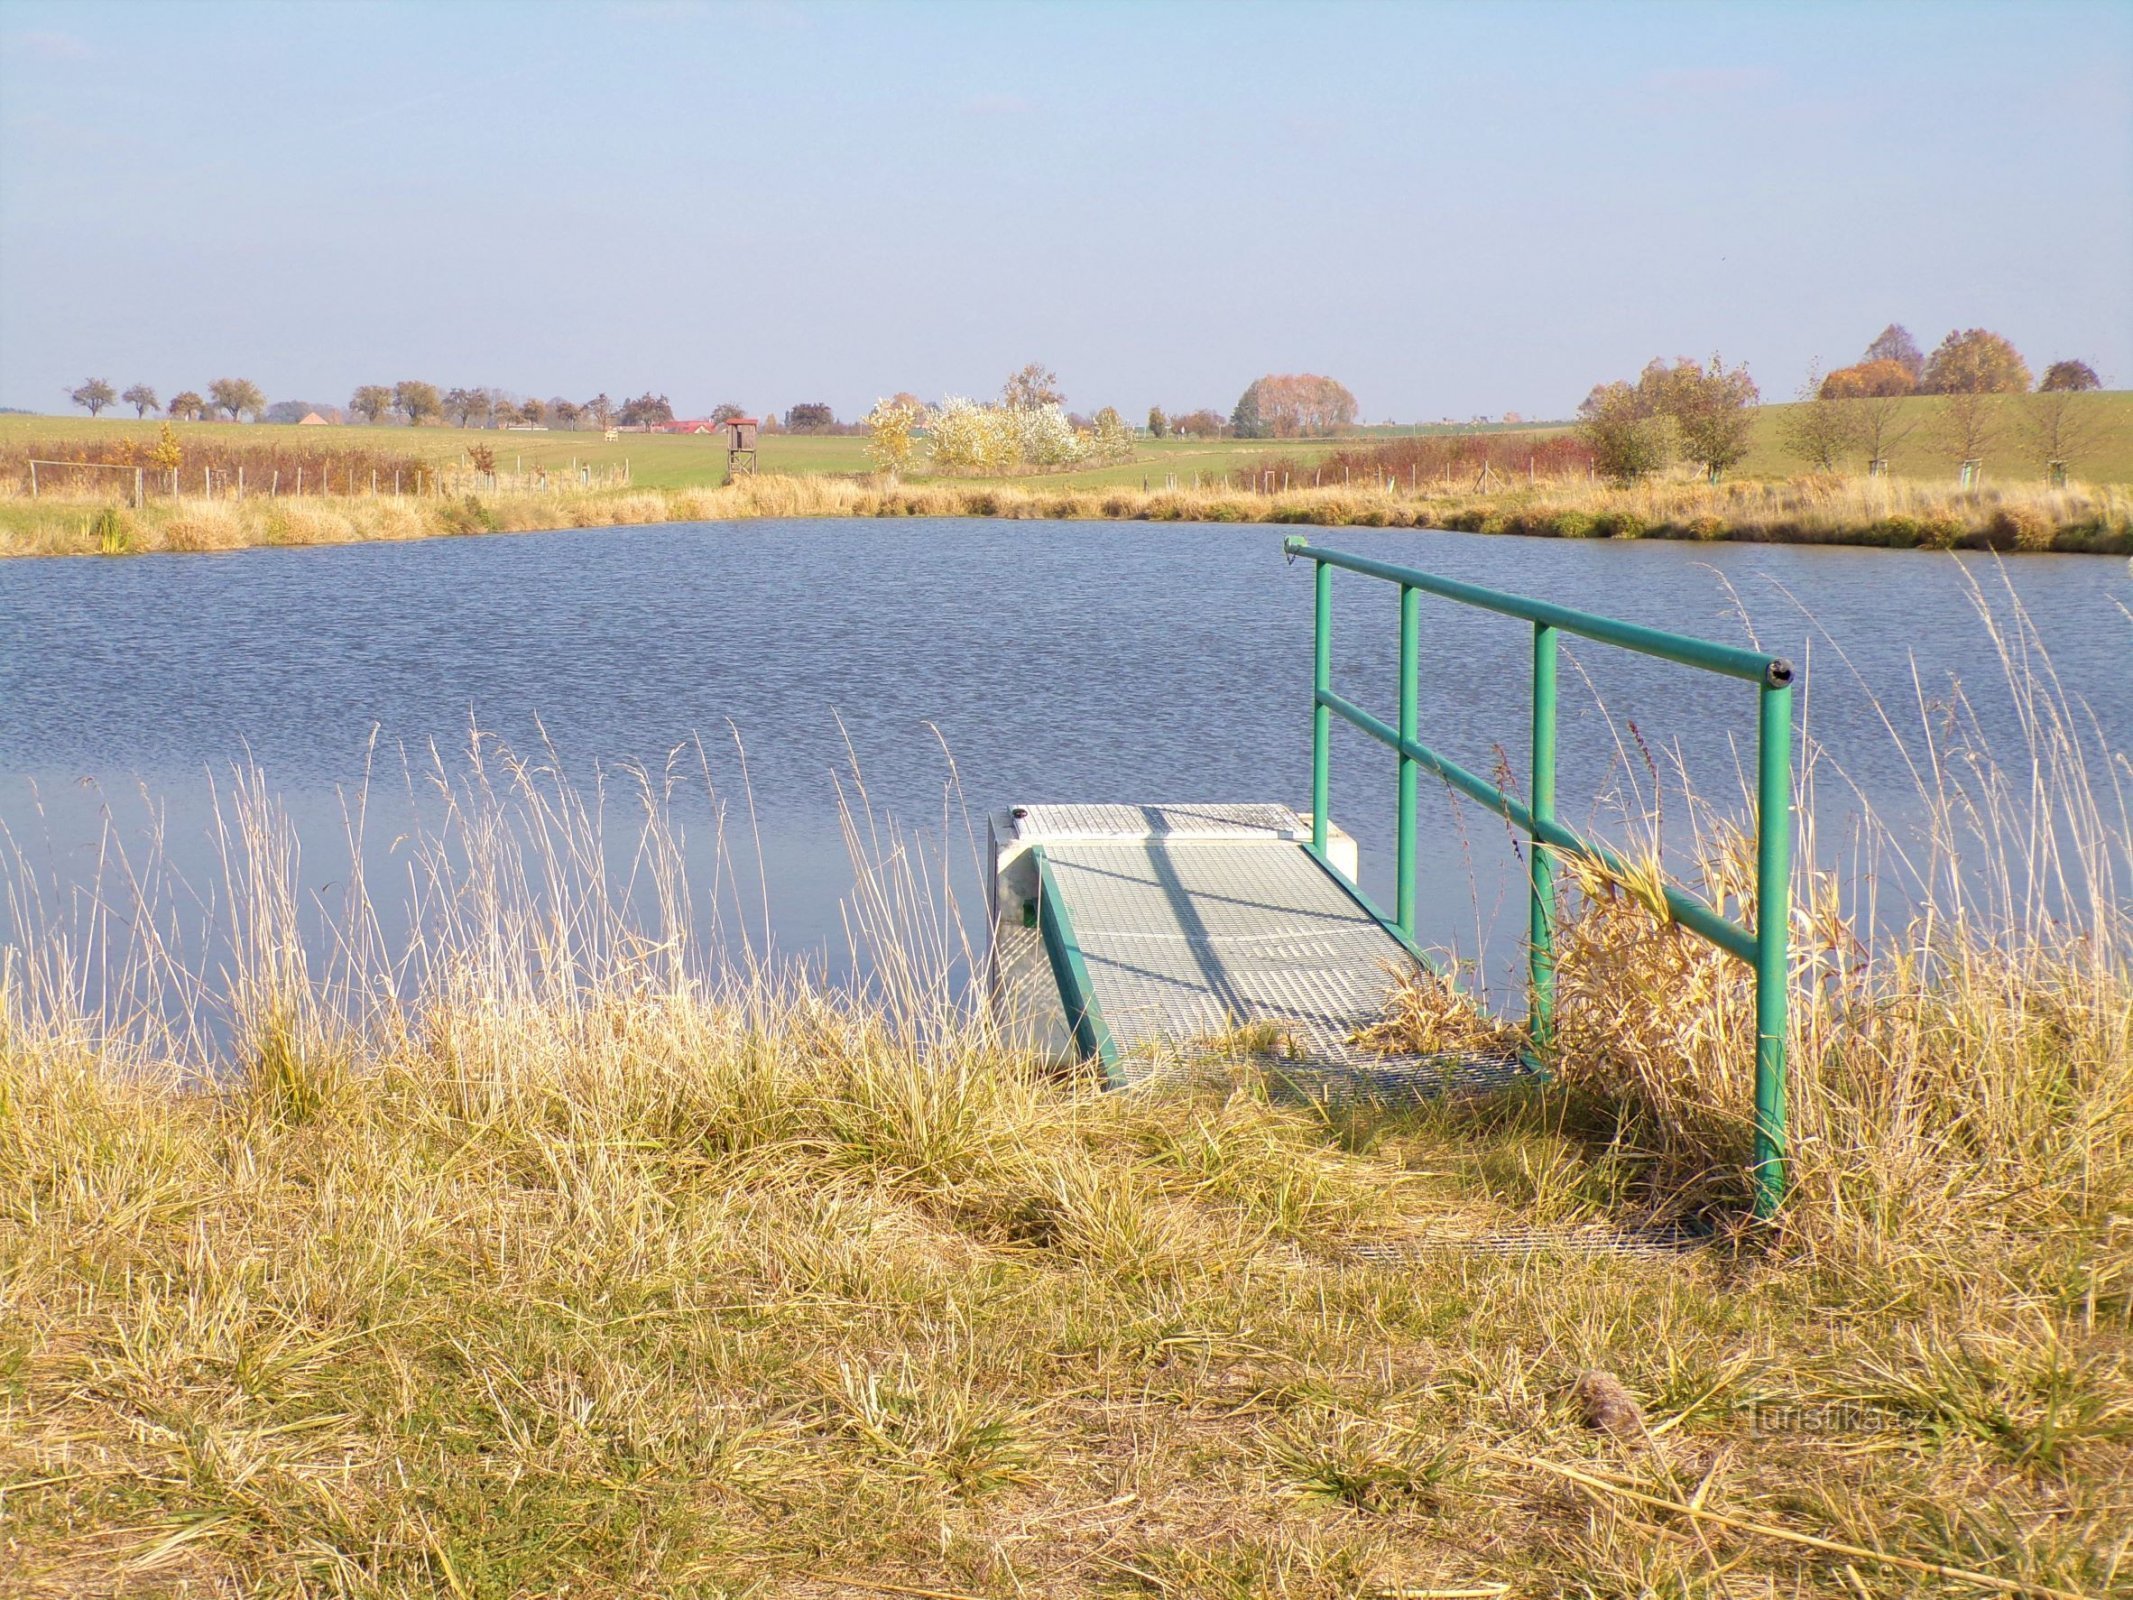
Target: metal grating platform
x,y
1193,920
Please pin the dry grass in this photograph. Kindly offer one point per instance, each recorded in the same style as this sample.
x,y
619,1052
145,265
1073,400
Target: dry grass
x,y
561,1249
1828,510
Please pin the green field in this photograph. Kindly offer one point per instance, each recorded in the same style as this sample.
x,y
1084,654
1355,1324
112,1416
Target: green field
x,y
679,461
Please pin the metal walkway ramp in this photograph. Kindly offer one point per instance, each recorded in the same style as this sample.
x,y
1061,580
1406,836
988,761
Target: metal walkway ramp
x,y
1131,933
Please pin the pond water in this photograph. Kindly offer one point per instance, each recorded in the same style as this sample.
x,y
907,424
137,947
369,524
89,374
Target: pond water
x,y
1052,661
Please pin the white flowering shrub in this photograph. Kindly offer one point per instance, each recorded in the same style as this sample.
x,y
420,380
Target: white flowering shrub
x,y
892,433
1044,438
1113,440
971,439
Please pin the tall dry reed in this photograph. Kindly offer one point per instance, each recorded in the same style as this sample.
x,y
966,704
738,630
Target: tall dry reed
x,y
548,1237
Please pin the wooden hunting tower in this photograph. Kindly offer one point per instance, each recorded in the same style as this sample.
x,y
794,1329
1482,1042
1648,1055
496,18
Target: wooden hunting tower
x,y
740,446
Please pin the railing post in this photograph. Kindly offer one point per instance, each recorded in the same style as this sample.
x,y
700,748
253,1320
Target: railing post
x,y
1321,717
1540,860
1773,937
1410,769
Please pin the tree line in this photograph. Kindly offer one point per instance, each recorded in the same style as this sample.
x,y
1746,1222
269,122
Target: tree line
x,y
1703,412
1968,361
412,402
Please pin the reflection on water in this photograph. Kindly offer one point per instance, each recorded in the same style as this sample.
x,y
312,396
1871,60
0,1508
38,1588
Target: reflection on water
x,y
761,669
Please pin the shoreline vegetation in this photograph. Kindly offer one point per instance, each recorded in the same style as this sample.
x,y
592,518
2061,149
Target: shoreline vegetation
x,y
1893,513
564,1236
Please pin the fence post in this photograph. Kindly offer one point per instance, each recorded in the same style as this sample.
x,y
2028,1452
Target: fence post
x,y
33,480
137,490
1321,717
1540,859
1773,937
1410,769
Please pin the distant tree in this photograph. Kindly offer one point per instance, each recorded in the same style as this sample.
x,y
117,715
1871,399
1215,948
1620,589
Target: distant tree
x,y
1033,388
1896,344
1820,432
1111,439
1288,404
601,410
290,411
810,418
417,401
2058,429
467,407
1158,424
1975,361
2061,377
726,411
565,412
1869,379
186,406
1201,424
143,399
1711,408
505,413
1882,421
647,411
891,429
1967,424
95,395
904,397
533,412
371,401
1625,431
236,395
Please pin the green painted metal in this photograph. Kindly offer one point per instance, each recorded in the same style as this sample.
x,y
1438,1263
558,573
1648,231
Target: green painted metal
x,y
1731,660
1540,859
1321,718
1410,773
1370,908
1084,1017
1773,953
1766,947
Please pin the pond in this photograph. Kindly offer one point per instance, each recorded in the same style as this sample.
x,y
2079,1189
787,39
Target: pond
x,y
784,667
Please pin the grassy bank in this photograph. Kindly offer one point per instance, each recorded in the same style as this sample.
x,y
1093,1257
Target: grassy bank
x,y
1893,513
553,1253
673,461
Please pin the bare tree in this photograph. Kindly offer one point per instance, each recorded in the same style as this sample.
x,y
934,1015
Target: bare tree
x,y
1820,432
1896,344
2057,429
1032,389
1882,426
1968,423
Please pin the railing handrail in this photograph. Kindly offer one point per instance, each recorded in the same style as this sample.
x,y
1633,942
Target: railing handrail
x,y
1766,946
1688,651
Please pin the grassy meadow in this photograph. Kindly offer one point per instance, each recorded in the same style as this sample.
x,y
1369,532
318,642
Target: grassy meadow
x,y
567,1251
674,477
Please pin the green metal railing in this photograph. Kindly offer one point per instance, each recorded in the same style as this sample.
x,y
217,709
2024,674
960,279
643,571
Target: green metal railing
x,y
1766,947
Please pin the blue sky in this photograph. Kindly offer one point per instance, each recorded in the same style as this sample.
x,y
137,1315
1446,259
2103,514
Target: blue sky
x,y
1456,209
